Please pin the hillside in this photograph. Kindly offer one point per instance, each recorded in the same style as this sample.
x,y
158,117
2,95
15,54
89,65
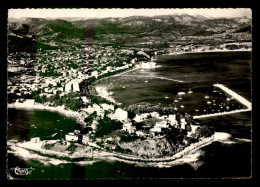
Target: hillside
x,y
131,30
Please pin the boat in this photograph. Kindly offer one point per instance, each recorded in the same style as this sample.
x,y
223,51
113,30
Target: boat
x,y
175,108
206,96
166,97
182,106
176,99
146,81
208,102
190,91
228,99
181,93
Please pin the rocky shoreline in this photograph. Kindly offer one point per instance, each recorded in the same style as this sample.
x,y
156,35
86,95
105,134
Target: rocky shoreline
x,y
102,154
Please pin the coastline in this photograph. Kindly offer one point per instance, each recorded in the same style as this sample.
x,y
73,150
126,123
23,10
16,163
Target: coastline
x,y
213,51
103,154
30,104
200,54
115,75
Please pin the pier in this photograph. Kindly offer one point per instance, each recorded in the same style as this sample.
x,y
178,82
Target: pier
x,y
154,77
234,95
221,113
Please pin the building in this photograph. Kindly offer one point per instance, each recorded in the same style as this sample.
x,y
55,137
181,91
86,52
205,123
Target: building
x,y
156,129
121,114
172,119
85,139
145,115
35,140
161,124
99,110
127,126
138,118
155,114
193,129
139,133
71,137
183,123
107,106
94,125
72,86
94,74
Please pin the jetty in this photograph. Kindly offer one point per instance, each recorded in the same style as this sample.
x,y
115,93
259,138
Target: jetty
x,y
155,77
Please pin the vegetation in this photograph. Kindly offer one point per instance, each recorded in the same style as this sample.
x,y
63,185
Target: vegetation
x,y
106,126
70,100
203,131
148,107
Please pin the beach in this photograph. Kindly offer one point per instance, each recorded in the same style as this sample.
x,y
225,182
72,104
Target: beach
x,y
30,104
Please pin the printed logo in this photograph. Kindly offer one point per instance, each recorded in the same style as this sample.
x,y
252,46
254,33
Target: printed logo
x,y
22,171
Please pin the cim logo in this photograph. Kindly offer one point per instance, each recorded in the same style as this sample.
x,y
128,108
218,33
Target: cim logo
x,y
22,171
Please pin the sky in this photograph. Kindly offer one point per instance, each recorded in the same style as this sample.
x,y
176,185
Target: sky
x,y
101,13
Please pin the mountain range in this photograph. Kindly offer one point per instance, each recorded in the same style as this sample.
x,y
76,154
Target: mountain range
x,y
55,32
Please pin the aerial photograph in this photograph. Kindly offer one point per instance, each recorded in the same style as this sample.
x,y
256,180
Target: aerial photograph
x,y
129,94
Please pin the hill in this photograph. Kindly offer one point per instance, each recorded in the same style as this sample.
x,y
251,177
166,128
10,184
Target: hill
x,y
130,30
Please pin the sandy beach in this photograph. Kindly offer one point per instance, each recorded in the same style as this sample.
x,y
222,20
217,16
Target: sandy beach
x,y
30,104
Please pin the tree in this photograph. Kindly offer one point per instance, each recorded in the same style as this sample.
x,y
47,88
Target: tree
x,y
202,132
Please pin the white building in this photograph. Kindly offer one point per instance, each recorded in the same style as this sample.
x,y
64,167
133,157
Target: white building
x,y
85,139
94,74
75,84
139,133
138,118
145,115
121,114
127,126
155,114
72,86
183,123
161,124
107,106
94,125
71,137
163,117
35,140
193,129
172,119
156,129
84,99
99,110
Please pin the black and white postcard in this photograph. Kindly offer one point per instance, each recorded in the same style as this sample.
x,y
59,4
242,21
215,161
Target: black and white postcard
x,y
129,94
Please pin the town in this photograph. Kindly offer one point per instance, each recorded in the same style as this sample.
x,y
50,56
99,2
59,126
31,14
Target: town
x,y
65,77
